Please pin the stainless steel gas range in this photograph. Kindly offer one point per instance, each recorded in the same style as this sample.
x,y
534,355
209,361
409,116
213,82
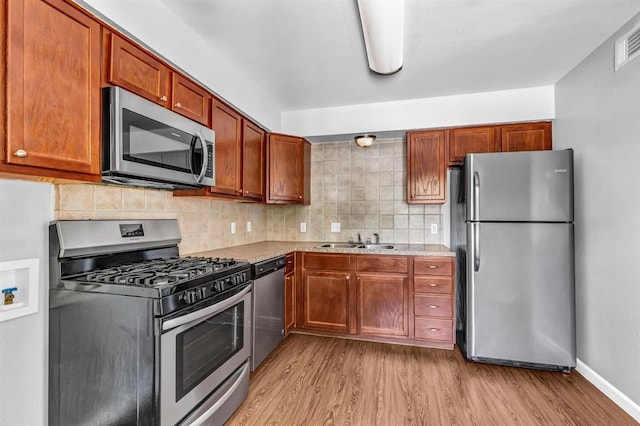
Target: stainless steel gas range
x,y
138,335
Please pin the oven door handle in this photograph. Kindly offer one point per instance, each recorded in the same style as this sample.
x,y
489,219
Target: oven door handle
x,y
201,314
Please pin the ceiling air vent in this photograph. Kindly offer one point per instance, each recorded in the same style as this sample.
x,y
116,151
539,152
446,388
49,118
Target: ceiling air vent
x,y
628,47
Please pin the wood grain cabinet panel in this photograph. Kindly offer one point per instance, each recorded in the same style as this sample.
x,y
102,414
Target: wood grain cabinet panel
x,y
434,329
433,305
287,169
372,263
253,160
289,294
383,305
52,89
427,168
432,284
467,140
326,301
323,262
227,123
134,69
432,266
525,137
190,100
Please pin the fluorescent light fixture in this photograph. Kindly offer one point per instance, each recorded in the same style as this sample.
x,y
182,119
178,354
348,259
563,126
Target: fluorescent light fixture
x,y
365,141
383,29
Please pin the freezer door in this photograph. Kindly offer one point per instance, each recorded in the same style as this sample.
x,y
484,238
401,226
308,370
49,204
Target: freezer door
x,y
520,293
534,186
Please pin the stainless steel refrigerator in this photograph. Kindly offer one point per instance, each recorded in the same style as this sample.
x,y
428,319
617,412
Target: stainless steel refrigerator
x,y
512,230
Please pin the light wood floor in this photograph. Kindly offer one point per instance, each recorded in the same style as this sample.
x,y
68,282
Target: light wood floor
x,y
310,380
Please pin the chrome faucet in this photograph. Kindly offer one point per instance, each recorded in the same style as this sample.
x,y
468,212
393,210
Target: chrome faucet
x,y
376,238
359,239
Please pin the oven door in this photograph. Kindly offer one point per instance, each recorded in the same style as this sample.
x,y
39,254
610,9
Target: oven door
x,y
201,349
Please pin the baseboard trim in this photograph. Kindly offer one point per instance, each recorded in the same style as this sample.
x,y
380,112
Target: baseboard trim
x,y
622,400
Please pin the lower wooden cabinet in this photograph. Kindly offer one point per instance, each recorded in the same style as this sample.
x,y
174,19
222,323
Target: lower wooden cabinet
x,y
289,294
405,299
383,305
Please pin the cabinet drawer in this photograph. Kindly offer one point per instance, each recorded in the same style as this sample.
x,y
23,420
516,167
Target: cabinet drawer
x,y
330,262
382,263
433,306
434,329
290,265
432,266
440,285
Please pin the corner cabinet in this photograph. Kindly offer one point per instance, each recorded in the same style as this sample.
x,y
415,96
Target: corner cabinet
x,y
50,101
288,170
426,168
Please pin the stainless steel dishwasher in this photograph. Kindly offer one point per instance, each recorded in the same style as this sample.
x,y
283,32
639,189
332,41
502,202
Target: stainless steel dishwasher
x,y
268,308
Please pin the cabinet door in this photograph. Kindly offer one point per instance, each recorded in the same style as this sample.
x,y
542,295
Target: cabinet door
x,y
189,99
139,72
253,139
53,87
227,124
466,140
289,302
426,167
383,305
525,137
285,157
326,301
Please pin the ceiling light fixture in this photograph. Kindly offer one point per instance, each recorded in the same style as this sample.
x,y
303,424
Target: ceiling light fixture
x,y
365,141
383,29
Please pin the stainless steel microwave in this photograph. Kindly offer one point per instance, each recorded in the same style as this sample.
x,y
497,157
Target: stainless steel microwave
x,y
144,144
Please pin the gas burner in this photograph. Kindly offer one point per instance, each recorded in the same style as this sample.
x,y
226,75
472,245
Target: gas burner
x,y
162,272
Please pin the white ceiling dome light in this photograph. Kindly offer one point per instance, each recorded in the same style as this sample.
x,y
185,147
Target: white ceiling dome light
x,y
383,30
364,141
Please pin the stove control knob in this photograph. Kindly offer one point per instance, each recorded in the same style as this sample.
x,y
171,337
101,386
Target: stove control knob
x,y
202,292
190,296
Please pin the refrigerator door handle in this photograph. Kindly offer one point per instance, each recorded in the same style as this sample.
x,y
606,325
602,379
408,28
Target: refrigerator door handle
x,y
476,246
476,196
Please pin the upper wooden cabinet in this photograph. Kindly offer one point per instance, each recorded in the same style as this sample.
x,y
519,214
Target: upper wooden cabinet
x,y
138,71
51,101
427,167
498,138
471,139
525,137
288,165
240,156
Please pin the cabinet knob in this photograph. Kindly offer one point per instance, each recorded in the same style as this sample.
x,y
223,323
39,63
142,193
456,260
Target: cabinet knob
x,y
178,105
413,195
20,153
300,197
347,277
246,192
163,98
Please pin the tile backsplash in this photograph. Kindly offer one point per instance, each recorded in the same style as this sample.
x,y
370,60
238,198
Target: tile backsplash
x,y
364,190
205,224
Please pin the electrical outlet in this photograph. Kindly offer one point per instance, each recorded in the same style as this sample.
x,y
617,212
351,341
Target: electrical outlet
x,y
233,227
434,228
303,227
335,227
248,226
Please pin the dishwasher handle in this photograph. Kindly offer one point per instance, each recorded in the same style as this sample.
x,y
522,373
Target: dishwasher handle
x,y
266,267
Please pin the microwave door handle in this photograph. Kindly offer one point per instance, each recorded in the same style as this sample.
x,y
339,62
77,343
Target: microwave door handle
x,y
197,135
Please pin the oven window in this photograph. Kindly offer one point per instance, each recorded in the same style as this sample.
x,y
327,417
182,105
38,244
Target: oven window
x,y
150,142
204,347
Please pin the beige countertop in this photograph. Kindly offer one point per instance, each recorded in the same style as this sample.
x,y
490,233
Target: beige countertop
x,y
267,249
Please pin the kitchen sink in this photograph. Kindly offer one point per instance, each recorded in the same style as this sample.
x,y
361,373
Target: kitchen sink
x,y
359,246
378,246
341,245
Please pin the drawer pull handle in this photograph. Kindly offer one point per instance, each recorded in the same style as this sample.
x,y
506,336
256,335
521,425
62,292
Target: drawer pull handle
x,y
433,267
434,329
434,285
290,262
21,153
163,98
434,306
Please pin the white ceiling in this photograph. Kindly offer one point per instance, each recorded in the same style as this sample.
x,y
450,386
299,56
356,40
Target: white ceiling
x,y
310,53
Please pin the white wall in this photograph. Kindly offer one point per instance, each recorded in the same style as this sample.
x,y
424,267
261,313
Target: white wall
x,y
597,115
479,108
25,211
155,25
